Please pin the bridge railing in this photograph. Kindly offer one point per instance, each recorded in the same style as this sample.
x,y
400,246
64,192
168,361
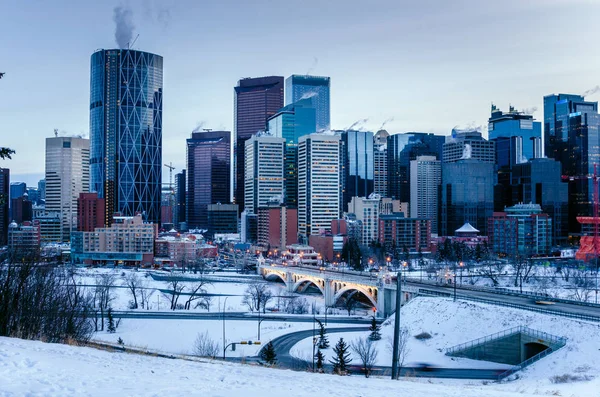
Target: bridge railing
x,y
513,305
328,274
528,362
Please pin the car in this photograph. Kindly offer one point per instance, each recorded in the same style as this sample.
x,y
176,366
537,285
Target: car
x,y
425,367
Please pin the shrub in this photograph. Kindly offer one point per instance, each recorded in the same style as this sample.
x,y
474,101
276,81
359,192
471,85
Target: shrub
x,y
423,336
568,378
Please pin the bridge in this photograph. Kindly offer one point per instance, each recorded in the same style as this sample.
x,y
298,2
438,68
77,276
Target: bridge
x,y
379,291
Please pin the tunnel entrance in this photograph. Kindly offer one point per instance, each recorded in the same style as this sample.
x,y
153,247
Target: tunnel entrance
x,y
532,348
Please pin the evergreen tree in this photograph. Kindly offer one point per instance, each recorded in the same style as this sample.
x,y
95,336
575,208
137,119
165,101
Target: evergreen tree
x,y
320,357
374,328
323,340
111,321
268,354
342,359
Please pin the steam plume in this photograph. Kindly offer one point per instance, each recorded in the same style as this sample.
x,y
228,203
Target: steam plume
x,y
313,66
358,122
199,126
308,95
385,122
592,91
122,15
531,110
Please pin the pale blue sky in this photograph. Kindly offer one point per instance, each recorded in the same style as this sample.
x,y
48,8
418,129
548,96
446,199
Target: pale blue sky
x,y
429,64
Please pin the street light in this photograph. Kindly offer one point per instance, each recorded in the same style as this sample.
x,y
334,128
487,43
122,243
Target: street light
x,y
461,264
396,345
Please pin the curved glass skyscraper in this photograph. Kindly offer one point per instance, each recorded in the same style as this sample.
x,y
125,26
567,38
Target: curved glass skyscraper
x,y
126,131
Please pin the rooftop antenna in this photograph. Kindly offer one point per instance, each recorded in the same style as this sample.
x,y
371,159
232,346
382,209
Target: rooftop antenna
x,y
133,42
56,132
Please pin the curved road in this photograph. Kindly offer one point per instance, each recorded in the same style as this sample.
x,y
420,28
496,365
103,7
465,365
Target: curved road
x,y
284,344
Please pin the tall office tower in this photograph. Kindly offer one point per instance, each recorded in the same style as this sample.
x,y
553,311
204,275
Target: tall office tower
x,y
539,181
467,194
463,145
425,179
41,191
126,93
571,137
318,182
380,171
401,149
357,172
67,175
208,174
32,194
4,196
290,123
179,214
90,212
264,171
17,189
367,212
21,209
256,99
316,88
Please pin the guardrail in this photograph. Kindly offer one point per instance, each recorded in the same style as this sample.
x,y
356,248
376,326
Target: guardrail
x,y
528,362
513,305
557,340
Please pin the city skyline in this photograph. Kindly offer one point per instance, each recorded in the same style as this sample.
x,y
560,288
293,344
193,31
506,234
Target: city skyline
x,y
404,72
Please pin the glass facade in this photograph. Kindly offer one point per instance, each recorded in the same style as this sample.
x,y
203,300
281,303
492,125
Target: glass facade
x,y
208,174
401,149
358,165
256,99
179,215
315,88
4,196
516,124
126,131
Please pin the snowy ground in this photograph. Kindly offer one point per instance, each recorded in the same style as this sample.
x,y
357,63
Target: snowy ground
x,y
451,323
35,368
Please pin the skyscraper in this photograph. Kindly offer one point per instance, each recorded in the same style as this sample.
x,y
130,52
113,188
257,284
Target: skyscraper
x,y
357,178
126,131
179,215
67,175
4,200
425,179
380,170
516,124
264,171
318,182
17,189
401,149
41,191
290,123
571,136
467,144
208,174
256,99
316,88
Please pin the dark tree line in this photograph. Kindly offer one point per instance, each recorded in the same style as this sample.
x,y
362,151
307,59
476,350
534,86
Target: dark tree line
x,y
41,302
352,254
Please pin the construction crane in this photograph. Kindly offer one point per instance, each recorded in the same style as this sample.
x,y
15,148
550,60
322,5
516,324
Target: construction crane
x,y
171,168
589,245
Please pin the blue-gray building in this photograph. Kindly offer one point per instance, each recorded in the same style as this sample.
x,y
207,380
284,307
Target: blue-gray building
x,y
571,137
290,123
17,189
357,158
466,195
315,88
401,149
126,92
514,124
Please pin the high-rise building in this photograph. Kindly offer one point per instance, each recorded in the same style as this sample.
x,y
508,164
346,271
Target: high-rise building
x,y
22,209
277,227
517,124
316,88
32,194
401,149
366,211
425,179
539,181
222,218
357,162
571,137
380,170
17,189
4,200
90,212
395,230
126,132
208,174
256,99
290,123
179,215
41,191
264,171
467,195
463,145
67,175
318,182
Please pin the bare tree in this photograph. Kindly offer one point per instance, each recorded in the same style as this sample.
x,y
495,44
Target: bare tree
x,y
176,287
522,267
204,346
196,292
145,295
350,303
403,348
257,296
367,353
493,271
581,294
105,284
134,283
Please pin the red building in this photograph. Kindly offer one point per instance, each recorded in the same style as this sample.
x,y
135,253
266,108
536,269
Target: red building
x,y
90,212
277,226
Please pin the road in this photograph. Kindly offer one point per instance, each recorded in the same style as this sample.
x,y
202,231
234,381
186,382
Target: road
x,y
284,344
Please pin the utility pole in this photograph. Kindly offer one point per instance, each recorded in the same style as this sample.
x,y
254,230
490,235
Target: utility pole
x,y
395,372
